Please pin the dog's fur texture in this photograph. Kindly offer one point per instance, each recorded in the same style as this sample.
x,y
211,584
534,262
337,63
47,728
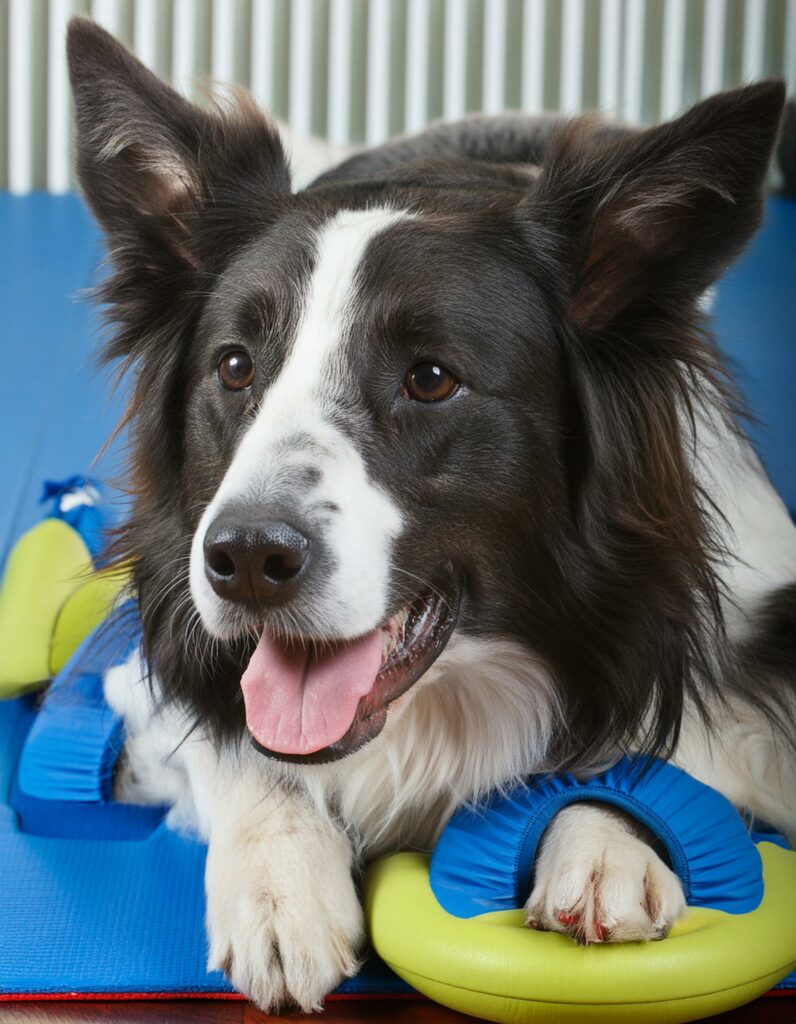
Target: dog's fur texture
x,y
626,575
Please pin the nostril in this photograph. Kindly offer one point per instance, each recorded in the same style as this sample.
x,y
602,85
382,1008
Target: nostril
x,y
251,561
283,566
220,562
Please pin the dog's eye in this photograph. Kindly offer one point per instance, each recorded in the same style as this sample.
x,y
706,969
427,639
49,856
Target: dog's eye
x,y
236,370
429,382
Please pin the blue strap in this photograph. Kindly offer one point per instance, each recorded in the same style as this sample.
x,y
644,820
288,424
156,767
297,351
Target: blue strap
x,y
484,858
74,743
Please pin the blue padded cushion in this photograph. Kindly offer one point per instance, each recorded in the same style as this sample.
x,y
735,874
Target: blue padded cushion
x,y
484,858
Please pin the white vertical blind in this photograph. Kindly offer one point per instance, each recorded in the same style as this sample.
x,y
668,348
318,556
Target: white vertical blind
x,y
673,52
610,83
789,49
713,46
222,44
377,109
572,25
58,99
20,96
145,30
263,25
634,59
533,54
454,61
565,73
339,102
108,13
754,39
183,45
300,66
494,78
416,88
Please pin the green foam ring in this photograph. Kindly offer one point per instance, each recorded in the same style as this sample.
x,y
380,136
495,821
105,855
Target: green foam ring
x,y
493,967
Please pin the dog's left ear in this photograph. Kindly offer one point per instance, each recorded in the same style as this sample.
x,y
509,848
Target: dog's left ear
x,y
149,161
656,215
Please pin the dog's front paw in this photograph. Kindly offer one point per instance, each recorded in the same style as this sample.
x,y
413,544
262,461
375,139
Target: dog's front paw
x,y
285,931
597,881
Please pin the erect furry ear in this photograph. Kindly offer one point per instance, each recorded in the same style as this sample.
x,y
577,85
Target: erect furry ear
x,y
658,214
147,159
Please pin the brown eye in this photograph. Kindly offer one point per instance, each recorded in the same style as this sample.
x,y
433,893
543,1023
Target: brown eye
x,y
428,382
236,370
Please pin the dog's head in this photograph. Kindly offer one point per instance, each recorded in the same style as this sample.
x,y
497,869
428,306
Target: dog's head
x,y
446,397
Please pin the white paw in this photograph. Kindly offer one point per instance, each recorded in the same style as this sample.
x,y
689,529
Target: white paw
x,y
596,881
286,930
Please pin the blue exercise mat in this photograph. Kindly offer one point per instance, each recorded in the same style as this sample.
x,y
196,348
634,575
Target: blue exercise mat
x,y
95,897
99,897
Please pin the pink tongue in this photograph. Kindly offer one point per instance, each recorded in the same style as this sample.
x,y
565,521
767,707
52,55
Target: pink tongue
x,y
299,701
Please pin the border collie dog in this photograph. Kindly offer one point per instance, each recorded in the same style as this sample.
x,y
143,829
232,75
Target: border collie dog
x,y
437,482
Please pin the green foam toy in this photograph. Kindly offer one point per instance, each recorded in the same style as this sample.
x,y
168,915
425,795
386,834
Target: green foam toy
x,y
51,598
493,967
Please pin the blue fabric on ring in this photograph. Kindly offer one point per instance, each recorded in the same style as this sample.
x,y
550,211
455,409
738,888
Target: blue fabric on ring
x,y
484,858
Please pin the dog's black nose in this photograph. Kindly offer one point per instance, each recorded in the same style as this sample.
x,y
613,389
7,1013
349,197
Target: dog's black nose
x,y
254,562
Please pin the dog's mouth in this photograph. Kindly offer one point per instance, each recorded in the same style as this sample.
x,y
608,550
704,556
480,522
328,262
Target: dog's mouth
x,y
315,701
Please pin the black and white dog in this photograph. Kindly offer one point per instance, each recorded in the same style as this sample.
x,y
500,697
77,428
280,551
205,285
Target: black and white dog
x,y
437,482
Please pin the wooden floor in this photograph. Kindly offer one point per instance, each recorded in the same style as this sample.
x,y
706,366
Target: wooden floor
x,y
385,1011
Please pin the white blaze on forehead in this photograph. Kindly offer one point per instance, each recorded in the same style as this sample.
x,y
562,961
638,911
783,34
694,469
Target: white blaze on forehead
x,y
298,408
294,402
341,246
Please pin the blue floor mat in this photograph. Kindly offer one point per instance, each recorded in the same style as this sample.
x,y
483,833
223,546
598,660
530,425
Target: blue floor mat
x,y
55,414
100,898
56,410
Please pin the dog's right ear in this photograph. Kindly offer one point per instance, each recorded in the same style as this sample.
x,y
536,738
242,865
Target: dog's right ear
x,y
149,161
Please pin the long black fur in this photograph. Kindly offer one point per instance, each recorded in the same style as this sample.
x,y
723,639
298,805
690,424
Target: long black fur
x,y
588,538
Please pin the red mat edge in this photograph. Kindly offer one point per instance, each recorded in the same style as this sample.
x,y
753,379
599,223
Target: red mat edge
x,y
30,997
23,997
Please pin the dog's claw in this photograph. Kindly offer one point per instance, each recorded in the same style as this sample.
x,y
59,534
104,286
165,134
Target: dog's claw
x,y
601,933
